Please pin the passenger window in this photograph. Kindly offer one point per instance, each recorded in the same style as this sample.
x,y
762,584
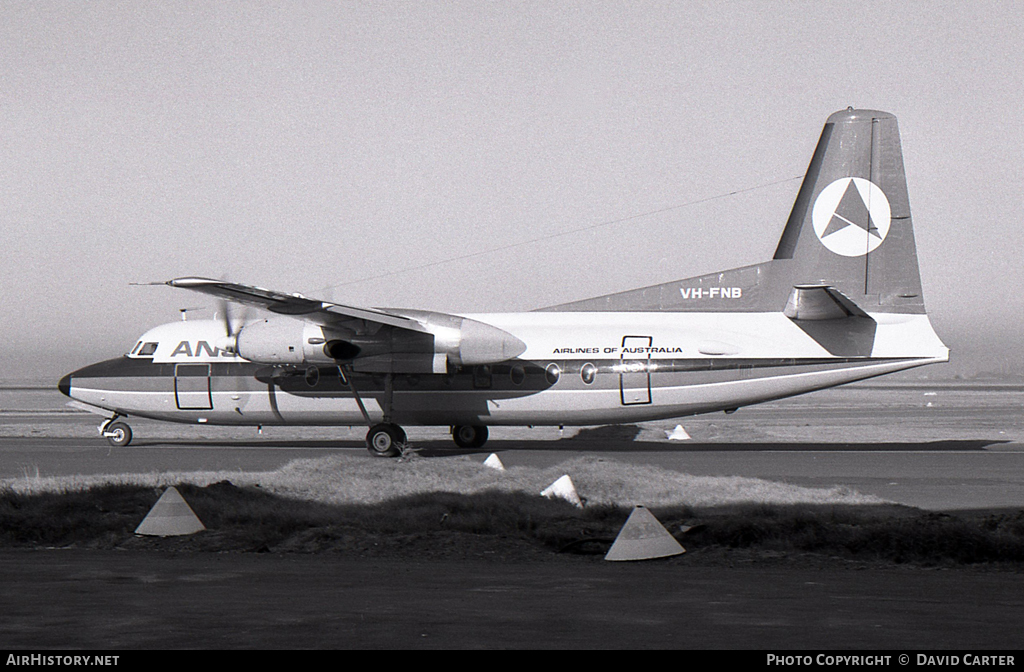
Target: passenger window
x,y
588,372
148,350
517,374
552,373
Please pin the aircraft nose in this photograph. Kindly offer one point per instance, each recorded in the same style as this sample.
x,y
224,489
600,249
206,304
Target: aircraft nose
x,y
65,385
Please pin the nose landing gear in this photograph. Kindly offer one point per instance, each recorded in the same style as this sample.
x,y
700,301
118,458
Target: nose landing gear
x,y
117,433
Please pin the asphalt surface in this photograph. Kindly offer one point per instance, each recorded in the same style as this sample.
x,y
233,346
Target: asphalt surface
x,y
79,600
940,475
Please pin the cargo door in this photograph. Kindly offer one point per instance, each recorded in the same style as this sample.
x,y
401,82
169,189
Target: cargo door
x,y
635,370
192,387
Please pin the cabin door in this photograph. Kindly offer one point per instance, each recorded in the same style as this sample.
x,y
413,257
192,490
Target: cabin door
x,y
635,370
192,387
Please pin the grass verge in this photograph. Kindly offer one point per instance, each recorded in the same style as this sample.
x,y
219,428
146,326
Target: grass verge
x,y
504,525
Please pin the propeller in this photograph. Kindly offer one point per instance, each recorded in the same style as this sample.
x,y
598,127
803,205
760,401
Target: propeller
x,y
232,325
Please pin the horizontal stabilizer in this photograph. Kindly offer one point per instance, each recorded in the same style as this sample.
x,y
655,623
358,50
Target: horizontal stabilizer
x,y
820,302
834,321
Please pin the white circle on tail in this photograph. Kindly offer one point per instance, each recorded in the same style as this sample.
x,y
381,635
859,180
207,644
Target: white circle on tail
x,y
851,216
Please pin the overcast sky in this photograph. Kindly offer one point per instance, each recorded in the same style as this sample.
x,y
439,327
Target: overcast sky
x,y
429,154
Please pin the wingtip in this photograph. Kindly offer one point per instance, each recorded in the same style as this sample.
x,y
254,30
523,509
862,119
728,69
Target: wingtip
x,y
189,281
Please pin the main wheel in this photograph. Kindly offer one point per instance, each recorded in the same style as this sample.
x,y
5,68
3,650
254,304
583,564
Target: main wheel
x,y
469,436
118,433
383,440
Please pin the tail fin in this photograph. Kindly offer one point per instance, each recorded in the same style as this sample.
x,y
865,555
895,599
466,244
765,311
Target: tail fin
x,y
850,227
849,230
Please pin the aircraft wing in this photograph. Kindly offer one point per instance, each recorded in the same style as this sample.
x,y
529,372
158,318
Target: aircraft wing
x,y
311,310
452,338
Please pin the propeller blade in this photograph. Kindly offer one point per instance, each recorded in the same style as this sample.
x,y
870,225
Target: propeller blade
x,y
233,323
224,311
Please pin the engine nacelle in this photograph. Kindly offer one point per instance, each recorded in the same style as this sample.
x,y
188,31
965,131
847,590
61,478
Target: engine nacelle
x,y
282,341
448,340
468,342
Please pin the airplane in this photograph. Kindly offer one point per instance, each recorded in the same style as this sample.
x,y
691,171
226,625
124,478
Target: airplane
x,y
840,301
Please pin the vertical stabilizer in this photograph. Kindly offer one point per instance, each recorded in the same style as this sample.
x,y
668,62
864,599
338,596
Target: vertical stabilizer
x,y
850,227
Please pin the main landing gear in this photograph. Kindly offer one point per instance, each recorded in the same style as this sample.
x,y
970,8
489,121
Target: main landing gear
x,y
386,439
389,440
469,436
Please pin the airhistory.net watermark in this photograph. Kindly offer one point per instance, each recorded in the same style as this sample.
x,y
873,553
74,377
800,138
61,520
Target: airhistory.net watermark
x,y
57,660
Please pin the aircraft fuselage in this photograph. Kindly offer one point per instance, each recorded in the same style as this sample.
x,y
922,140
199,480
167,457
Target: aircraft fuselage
x,y
578,369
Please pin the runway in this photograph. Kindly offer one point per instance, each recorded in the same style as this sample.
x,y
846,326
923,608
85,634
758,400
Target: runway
x,y
945,446
885,442
941,476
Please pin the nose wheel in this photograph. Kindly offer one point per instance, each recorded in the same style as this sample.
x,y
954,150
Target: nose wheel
x,y
118,434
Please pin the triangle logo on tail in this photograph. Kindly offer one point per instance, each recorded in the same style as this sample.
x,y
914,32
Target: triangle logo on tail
x,y
851,216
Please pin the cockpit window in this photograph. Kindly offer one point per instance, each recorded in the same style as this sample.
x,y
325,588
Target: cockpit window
x,y
147,350
137,346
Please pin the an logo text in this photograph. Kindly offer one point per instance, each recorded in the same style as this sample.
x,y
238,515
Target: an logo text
x,y
185,348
